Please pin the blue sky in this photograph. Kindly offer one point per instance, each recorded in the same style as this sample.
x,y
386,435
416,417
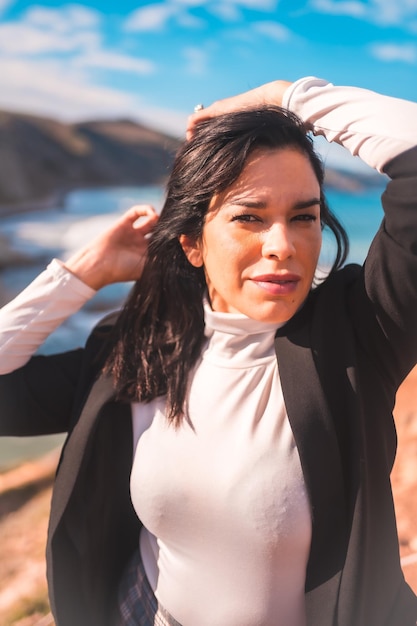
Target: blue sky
x,y
154,61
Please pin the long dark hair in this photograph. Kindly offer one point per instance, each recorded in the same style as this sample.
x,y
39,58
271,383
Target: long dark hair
x,y
160,332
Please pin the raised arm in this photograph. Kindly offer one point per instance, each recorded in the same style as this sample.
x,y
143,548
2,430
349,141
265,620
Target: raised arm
x,y
374,127
61,290
116,255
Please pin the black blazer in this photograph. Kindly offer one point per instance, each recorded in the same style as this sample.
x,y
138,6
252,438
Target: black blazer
x,y
341,360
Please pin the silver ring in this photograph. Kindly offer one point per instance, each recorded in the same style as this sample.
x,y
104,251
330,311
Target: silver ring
x,y
198,107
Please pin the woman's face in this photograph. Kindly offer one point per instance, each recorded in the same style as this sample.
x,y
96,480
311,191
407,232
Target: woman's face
x,y
262,237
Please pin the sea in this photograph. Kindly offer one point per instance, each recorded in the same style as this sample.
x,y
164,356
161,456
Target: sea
x,y
58,232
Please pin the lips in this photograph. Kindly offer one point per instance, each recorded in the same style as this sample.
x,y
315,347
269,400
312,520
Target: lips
x,y
277,284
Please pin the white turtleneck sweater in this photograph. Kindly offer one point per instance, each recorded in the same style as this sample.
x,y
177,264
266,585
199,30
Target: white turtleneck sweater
x,y
224,495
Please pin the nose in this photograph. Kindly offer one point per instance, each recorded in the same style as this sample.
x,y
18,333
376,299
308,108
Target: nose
x,y
278,243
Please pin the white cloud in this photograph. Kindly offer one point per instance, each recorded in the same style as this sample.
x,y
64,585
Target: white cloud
x,y
4,4
231,10
153,17
190,3
274,30
168,121
42,30
41,87
70,29
196,60
390,12
63,19
393,52
114,61
402,13
258,5
351,8
186,20
226,11
23,39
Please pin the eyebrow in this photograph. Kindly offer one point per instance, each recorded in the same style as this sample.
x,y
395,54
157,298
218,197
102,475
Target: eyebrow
x,y
259,204
305,204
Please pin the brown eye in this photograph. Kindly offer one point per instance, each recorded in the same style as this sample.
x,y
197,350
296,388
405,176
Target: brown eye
x,y
305,217
245,217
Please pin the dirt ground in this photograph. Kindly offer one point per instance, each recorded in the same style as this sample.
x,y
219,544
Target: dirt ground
x,y
404,476
25,494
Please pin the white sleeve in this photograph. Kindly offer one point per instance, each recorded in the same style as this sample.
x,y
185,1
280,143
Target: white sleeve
x,y
36,312
377,128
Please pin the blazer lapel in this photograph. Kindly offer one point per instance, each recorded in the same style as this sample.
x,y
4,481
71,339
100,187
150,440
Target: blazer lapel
x,y
74,449
316,439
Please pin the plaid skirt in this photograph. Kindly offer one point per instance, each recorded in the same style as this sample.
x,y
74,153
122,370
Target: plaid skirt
x,y
137,604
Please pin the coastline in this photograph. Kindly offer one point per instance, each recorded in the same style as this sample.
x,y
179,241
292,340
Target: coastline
x,y
52,201
10,257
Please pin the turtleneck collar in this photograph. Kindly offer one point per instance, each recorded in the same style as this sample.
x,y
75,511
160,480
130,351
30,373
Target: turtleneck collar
x,y
237,340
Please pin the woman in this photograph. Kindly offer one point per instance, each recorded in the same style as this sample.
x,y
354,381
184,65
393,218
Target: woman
x,y
251,409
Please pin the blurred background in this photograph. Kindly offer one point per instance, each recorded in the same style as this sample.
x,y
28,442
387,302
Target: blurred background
x,y
94,98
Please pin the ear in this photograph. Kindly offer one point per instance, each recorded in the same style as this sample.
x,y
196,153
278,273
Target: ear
x,y
192,250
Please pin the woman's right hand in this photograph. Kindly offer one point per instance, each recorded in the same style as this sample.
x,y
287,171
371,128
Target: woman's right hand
x,y
270,93
117,254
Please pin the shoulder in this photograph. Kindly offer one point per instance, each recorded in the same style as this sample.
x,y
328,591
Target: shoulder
x,y
341,278
337,285
107,322
101,339
326,305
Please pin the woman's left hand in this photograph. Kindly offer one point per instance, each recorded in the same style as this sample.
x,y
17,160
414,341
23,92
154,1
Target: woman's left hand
x,y
116,255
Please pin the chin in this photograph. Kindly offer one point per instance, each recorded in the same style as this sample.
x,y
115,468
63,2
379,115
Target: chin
x,y
272,317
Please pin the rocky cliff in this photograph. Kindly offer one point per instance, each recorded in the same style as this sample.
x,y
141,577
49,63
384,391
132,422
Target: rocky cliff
x,y
41,158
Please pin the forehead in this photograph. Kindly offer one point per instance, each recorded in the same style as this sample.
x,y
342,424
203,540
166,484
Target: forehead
x,y
273,173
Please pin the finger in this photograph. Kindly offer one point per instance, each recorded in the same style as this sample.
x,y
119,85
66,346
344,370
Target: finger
x,y
140,217
196,118
192,122
214,109
137,211
146,224
220,107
